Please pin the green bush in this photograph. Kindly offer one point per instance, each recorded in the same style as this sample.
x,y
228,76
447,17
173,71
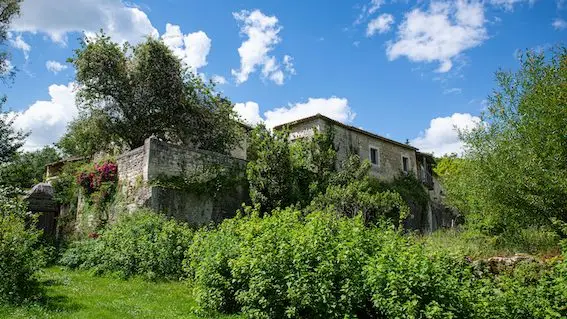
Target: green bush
x,y
142,243
405,282
207,264
304,266
19,258
287,264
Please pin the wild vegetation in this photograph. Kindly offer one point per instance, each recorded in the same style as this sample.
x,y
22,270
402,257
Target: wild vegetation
x,y
317,241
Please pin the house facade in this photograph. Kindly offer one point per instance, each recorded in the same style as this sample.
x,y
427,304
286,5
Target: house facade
x,y
388,158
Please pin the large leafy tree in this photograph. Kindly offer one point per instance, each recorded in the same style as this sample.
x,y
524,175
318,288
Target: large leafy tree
x,y
10,139
514,173
142,91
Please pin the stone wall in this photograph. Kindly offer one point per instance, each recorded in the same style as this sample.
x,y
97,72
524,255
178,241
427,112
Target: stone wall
x,y
348,141
140,168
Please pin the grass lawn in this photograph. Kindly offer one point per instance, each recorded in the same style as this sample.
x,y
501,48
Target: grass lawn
x,y
77,294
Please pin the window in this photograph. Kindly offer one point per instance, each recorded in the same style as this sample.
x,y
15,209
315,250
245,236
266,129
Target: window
x,y
374,156
405,164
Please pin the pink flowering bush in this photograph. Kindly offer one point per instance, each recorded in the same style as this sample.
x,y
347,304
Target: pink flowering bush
x,y
92,181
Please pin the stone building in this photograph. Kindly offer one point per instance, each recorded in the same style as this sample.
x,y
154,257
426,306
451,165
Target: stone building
x,y
388,159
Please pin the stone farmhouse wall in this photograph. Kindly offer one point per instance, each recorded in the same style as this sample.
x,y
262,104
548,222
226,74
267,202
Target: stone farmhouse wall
x,y
349,141
139,168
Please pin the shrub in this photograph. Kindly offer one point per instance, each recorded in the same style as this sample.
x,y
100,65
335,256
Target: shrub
x,y
304,267
405,282
207,264
143,243
19,260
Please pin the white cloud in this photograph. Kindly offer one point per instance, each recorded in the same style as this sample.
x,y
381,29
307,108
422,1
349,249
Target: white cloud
x,y
453,90
47,120
559,24
440,34
442,136
20,44
191,48
120,21
381,24
369,9
218,79
249,112
263,34
375,5
288,64
509,4
55,66
334,107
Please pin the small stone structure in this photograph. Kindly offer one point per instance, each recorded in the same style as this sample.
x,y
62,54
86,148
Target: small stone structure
x,y
141,168
40,202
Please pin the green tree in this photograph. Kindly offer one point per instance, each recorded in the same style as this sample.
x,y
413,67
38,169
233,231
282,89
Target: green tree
x,y
270,172
514,173
10,139
8,10
28,168
141,91
86,135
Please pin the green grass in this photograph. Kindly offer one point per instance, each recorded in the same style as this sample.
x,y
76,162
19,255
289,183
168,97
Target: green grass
x,y
77,294
539,242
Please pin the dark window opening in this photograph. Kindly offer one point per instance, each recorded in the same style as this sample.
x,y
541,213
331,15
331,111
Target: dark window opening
x,y
405,164
374,156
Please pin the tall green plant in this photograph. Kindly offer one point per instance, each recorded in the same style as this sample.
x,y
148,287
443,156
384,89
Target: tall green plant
x,y
514,172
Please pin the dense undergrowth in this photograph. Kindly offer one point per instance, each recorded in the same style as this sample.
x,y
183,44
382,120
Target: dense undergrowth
x,y
322,265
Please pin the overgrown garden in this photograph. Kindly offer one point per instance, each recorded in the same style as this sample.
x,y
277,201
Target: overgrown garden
x,y
317,240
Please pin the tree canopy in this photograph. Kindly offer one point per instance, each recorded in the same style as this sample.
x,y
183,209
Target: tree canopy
x,y
10,139
129,93
514,172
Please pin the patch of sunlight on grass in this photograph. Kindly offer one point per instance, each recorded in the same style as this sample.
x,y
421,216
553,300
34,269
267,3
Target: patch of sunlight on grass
x,y
78,294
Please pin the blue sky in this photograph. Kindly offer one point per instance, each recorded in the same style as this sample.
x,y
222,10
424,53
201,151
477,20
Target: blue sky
x,y
402,69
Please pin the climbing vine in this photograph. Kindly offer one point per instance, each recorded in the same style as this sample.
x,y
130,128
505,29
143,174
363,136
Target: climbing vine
x,y
212,179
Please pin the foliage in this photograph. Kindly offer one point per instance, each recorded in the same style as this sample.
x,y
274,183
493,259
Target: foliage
x,y
270,170
211,178
27,169
9,9
314,160
541,241
87,134
405,282
352,191
283,173
514,173
10,139
207,264
134,92
19,259
142,243
290,265
98,183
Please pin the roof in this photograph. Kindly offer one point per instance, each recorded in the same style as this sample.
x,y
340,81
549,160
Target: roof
x,y
348,127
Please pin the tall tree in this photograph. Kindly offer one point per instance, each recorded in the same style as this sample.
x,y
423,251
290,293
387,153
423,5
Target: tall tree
x,y
514,173
10,138
145,91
